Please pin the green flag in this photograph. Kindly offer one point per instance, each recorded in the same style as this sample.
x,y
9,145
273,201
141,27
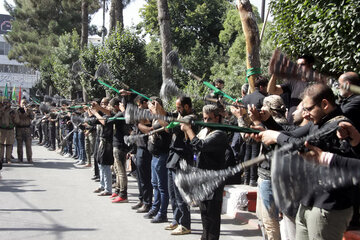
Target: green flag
x,y
13,95
6,92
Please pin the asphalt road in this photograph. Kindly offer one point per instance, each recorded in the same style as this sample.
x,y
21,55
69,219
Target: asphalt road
x,y
53,199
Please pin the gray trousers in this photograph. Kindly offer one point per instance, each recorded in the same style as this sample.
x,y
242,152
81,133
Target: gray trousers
x,y
89,145
320,224
24,135
120,171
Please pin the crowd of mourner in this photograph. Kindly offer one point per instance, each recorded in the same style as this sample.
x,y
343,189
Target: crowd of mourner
x,y
283,110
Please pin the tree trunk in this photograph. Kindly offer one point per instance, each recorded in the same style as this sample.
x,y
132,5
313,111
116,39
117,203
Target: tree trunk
x,y
116,15
84,23
251,32
165,36
84,34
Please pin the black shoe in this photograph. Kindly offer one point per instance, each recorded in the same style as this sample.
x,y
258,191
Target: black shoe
x,y
253,183
51,149
95,177
159,219
144,209
150,214
137,206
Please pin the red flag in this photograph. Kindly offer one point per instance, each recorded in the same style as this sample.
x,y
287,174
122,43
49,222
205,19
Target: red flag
x,y
19,95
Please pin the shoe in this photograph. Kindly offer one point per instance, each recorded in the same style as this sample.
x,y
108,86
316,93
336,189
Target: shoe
x,y
67,155
180,230
87,165
98,190
105,193
30,161
150,214
80,162
95,177
97,180
253,183
171,226
51,149
137,206
114,195
144,209
120,200
159,219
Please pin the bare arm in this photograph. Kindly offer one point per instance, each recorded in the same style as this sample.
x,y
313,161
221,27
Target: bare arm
x,y
272,88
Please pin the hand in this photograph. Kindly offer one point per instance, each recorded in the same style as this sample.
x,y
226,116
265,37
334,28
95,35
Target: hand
x,y
254,114
347,130
255,136
313,155
152,107
185,127
94,105
124,92
269,137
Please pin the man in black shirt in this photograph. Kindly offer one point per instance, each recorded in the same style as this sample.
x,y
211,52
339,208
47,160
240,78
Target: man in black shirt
x,y
210,146
120,150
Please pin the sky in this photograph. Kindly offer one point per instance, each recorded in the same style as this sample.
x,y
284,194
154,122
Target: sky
x,y
131,12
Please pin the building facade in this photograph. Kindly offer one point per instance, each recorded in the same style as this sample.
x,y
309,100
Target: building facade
x,y
12,73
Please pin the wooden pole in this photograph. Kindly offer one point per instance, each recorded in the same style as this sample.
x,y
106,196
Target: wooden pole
x,y
251,32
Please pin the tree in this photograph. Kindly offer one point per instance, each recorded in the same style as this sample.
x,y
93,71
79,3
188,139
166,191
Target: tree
x,y
124,53
116,14
195,28
89,57
165,35
231,65
65,81
252,38
38,25
326,29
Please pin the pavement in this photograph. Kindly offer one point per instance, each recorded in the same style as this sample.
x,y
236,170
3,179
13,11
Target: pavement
x,y
53,199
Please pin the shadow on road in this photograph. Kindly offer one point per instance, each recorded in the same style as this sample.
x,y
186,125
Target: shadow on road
x,y
30,210
17,185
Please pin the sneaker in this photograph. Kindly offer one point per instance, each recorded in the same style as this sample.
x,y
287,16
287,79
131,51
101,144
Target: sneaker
x,y
105,193
98,190
171,226
137,206
114,195
67,155
180,230
159,219
87,165
150,214
120,200
95,177
80,162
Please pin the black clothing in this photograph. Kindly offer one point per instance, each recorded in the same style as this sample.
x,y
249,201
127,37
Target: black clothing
x,y
295,89
351,108
333,199
211,155
255,98
159,143
121,129
104,154
180,148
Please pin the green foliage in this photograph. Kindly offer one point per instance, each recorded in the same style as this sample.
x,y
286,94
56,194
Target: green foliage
x,y
195,28
88,58
38,25
68,51
327,29
232,66
124,52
